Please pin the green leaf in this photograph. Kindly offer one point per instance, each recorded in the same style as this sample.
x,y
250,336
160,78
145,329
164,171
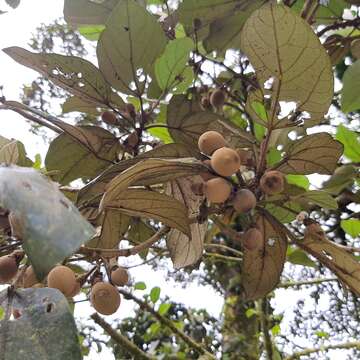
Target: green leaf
x,y
299,257
151,205
132,40
13,152
88,12
155,294
301,73
343,177
91,33
298,180
171,64
250,312
316,153
78,76
350,140
43,213
38,162
350,94
162,134
73,160
285,213
322,334
164,308
45,330
351,227
75,103
276,330
273,156
140,285
317,197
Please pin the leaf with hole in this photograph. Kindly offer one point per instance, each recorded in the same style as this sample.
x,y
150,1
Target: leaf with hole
x,y
281,46
261,268
45,329
43,212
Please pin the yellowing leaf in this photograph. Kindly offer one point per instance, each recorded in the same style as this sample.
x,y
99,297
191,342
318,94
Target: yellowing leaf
x,y
148,172
185,250
129,45
283,47
76,75
342,263
317,153
152,205
261,268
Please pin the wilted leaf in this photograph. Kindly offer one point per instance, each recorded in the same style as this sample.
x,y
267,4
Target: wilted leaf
x,y
351,227
185,250
282,46
114,225
78,76
45,330
317,197
169,151
342,263
151,205
350,94
351,142
261,268
88,12
171,64
148,172
132,40
317,153
96,150
44,212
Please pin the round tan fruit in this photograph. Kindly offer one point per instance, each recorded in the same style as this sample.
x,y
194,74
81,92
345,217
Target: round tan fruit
x,y
272,182
105,298
217,98
62,278
217,190
244,201
109,118
120,276
76,289
314,230
210,141
253,239
130,109
29,278
133,139
8,268
225,161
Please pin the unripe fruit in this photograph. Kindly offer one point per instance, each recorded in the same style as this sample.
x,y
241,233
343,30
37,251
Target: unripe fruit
x,y
253,239
120,277
29,278
210,141
244,201
225,161
105,298
217,190
205,103
62,278
109,118
8,268
272,182
217,98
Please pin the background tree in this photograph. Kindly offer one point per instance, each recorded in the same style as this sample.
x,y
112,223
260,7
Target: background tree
x,y
254,72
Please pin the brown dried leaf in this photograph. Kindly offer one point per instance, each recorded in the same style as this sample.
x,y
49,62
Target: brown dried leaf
x,y
185,250
342,263
261,269
282,46
317,153
152,205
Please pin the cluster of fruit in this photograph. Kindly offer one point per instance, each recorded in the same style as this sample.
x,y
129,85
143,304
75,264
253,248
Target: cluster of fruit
x,y
104,296
217,187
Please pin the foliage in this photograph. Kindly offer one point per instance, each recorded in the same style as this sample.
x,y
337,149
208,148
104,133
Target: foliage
x,y
141,177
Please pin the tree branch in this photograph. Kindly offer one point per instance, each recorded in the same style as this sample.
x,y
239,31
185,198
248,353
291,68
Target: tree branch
x,y
121,339
262,310
348,345
340,25
168,323
306,282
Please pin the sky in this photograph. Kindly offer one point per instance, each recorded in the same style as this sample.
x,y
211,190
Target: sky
x,y
16,27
